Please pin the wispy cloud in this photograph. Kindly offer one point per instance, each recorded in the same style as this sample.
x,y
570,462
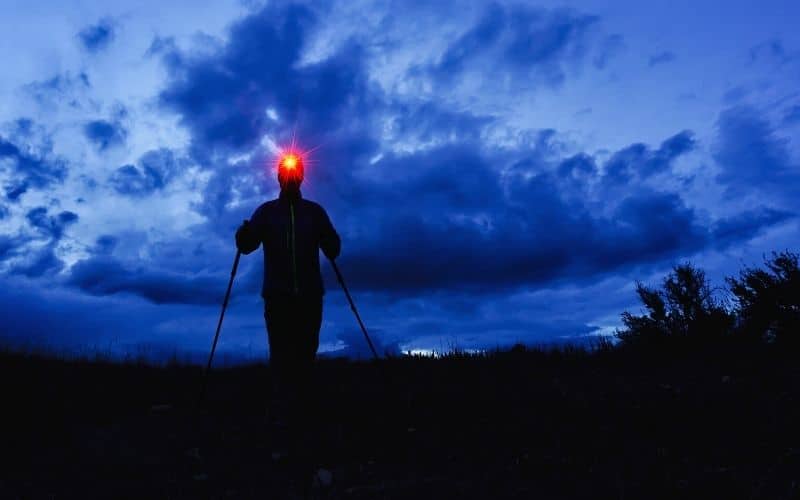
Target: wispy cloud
x,y
660,58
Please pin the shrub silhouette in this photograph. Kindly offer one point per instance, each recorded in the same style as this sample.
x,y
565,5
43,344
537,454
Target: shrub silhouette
x,y
683,312
768,301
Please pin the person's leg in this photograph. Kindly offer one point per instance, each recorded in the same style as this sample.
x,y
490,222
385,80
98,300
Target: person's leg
x,y
279,336
293,326
310,320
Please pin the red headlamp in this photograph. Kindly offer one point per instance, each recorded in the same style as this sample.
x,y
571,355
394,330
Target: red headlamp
x,y
290,167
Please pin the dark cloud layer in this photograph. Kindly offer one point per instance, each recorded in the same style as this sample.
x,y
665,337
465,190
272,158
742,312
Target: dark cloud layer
x,y
39,263
538,234
104,275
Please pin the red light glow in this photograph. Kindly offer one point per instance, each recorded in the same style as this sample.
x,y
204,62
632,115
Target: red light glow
x,y
291,160
290,165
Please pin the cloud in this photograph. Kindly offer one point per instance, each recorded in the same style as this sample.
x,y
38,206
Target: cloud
x,y
583,111
752,157
537,227
104,134
792,115
639,161
98,36
39,262
735,94
222,93
222,97
452,212
104,275
155,170
8,245
105,244
610,46
46,317
26,169
539,37
163,46
51,226
427,122
526,44
34,254
661,58
61,89
772,52
541,244
51,318
479,38
745,225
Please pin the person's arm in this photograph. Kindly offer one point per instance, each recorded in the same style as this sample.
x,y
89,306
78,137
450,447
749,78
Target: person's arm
x,y
248,236
329,241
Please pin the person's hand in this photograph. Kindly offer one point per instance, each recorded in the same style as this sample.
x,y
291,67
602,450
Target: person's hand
x,y
242,231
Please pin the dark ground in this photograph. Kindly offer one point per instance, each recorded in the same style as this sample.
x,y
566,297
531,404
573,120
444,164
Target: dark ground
x,y
519,424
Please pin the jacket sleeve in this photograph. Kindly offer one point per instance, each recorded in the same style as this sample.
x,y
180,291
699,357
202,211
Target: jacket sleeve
x,y
329,241
248,235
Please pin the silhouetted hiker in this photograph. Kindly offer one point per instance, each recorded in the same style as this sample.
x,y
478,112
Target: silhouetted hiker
x,y
292,230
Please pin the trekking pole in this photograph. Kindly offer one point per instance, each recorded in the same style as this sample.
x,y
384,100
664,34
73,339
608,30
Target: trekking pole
x,y
353,307
219,326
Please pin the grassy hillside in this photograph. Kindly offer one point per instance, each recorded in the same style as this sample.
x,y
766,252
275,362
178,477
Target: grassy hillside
x,y
520,424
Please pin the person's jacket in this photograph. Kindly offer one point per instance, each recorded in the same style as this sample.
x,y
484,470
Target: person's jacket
x,y
292,230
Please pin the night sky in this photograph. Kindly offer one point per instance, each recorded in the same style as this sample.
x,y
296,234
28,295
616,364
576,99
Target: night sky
x,y
499,172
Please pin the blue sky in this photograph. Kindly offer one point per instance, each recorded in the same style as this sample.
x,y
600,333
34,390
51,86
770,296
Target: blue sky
x,y
499,172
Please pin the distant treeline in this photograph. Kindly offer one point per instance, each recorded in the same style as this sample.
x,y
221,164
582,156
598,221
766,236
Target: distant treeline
x,y
758,308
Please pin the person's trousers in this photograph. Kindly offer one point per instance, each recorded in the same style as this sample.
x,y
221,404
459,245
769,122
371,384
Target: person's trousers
x,y
293,324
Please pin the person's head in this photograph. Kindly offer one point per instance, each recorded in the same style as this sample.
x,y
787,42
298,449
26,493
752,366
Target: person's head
x,y
290,172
